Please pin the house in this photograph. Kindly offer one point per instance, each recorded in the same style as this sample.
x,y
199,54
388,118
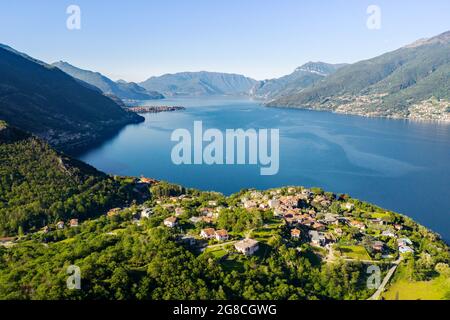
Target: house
x,y
195,220
273,203
208,233
295,233
212,203
46,229
398,227
358,224
247,246
318,226
207,219
73,223
145,180
171,222
388,233
317,238
378,221
403,242
179,211
146,213
349,206
60,225
190,240
405,249
250,204
221,235
378,246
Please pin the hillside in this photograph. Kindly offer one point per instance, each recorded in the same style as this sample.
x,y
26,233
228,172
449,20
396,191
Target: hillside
x,y
199,84
303,77
302,252
121,89
38,185
411,82
42,99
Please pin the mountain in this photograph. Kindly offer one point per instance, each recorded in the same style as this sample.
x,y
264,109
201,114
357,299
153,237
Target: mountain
x,y
303,77
44,100
199,84
121,89
411,82
39,185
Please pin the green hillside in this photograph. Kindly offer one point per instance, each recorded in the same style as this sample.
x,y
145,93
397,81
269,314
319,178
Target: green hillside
x,y
39,186
42,99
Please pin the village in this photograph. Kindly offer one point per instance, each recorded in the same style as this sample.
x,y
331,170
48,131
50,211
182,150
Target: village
x,y
332,227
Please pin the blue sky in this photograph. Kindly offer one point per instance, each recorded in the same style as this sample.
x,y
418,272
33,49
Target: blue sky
x,y
136,39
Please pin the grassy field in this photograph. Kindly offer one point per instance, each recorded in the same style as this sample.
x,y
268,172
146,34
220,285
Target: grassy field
x,y
403,289
354,252
217,252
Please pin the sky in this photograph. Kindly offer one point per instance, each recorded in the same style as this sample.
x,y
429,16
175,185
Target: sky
x,y
262,39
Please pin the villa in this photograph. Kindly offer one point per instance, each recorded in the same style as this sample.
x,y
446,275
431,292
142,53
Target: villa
x,y
295,233
208,233
171,222
247,246
73,223
221,235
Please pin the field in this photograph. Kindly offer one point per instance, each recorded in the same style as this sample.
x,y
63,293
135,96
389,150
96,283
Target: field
x,y
403,289
354,252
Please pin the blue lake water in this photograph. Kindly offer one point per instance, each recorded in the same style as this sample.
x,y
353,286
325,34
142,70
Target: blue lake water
x,y
400,165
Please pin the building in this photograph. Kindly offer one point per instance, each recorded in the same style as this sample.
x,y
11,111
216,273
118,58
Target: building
x,y
60,225
190,240
378,246
195,220
247,246
388,233
317,238
73,223
146,213
221,235
273,203
208,233
171,222
405,249
179,211
358,224
295,233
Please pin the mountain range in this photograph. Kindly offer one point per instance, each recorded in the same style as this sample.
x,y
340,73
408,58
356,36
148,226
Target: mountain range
x,y
303,77
411,82
200,84
121,89
42,99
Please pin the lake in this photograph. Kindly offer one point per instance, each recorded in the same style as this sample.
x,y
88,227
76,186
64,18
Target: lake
x,y
400,165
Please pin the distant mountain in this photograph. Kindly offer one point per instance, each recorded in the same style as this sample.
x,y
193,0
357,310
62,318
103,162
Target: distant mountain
x,y
121,89
303,77
44,100
40,186
199,84
411,82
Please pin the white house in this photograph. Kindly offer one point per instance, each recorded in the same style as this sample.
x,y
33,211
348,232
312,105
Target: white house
x,y
208,233
221,235
171,222
247,246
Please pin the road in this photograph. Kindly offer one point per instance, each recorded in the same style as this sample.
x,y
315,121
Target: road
x,y
386,279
